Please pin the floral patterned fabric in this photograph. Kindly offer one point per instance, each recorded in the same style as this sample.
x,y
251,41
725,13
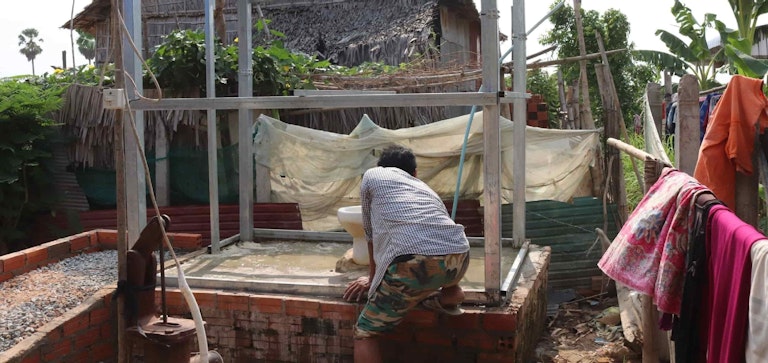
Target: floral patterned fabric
x,y
648,254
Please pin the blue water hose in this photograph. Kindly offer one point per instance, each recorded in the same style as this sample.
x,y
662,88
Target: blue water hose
x,y
474,108
464,145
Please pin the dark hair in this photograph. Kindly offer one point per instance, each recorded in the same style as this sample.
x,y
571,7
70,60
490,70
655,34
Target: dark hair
x,y
399,157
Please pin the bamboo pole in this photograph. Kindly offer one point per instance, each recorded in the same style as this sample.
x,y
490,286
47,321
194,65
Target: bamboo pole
x,y
556,62
629,149
563,103
586,110
650,353
616,103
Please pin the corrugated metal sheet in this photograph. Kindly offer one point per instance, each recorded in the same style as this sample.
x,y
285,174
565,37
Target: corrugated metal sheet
x,y
569,228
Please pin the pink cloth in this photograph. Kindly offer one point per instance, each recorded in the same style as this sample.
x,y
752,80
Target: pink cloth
x,y
648,254
729,240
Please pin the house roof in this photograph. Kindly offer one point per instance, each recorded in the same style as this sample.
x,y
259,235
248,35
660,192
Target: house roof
x,y
375,29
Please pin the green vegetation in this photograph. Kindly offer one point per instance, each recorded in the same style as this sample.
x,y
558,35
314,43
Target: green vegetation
x,y
25,184
179,64
630,77
633,188
86,45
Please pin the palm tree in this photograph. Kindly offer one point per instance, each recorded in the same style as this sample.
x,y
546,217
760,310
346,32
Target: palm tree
x,y
29,40
86,44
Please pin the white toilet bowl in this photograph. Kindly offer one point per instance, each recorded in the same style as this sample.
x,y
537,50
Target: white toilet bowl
x,y
351,218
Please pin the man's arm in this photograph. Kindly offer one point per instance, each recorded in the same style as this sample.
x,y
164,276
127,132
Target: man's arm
x,y
358,289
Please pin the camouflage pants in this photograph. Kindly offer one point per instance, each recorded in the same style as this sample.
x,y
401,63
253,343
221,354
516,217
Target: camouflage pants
x,y
409,280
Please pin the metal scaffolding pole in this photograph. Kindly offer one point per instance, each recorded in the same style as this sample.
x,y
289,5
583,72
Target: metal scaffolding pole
x,y
489,44
135,181
213,165
519,116
245,119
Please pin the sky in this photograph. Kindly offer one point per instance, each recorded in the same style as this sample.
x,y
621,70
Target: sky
x,y
47,16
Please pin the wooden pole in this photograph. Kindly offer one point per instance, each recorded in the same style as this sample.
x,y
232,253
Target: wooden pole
x,y
747,191
574,103
610,83
122,220
586,107
687,132
556,62
611,119
563,119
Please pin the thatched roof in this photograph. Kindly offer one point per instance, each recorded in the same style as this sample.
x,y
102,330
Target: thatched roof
x,y
346,31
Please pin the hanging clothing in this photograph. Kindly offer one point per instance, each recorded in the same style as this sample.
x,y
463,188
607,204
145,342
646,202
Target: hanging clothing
x,y
729,240
671,121
729,140
757,333
648,254
689,332
705,112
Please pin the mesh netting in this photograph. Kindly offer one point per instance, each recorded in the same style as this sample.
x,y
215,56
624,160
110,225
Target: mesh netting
x,y
188,177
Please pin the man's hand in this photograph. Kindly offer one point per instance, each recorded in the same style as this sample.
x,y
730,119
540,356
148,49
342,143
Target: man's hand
x,y
357,290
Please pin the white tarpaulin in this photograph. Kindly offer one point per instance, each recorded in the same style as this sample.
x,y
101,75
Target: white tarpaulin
x,y
321,171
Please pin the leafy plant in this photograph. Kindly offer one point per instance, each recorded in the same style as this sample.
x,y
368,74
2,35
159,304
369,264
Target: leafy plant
x,y
630,77
25,125
86,45
179,62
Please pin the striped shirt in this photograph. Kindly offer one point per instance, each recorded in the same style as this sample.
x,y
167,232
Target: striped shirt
x,y
401,216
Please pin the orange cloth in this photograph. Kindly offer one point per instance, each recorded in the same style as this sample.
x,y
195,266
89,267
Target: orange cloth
x,y
730,137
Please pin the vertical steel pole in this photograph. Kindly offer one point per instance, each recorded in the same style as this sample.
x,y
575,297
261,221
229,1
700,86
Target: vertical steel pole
x,y
489,43
245,118
519,116
213,165
136,184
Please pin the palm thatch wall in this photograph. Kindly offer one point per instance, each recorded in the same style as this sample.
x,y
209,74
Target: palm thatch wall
x,y
348,32
92,127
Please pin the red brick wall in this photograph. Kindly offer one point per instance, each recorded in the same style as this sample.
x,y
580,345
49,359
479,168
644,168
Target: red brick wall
x,y
86,333
246,327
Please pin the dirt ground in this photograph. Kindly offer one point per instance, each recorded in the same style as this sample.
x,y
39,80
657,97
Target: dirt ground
x,y
585,330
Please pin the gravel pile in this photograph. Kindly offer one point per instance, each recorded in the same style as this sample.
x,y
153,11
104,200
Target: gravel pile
x,y
30,300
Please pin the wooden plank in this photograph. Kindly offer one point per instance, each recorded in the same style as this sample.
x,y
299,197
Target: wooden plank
x,y
747,192
687,131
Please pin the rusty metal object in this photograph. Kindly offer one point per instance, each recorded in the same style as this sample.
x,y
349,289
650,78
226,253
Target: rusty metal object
x,y
165,339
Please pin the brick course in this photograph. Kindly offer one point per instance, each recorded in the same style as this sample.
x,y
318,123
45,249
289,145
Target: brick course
x,y
276,328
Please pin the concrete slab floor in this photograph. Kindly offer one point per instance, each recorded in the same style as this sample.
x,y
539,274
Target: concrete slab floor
x,y
296,263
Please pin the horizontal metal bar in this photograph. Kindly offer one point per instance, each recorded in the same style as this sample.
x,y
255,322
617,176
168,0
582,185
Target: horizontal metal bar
x,y
347,101
330,92
284,288
294,234
226,242
510,96
510,282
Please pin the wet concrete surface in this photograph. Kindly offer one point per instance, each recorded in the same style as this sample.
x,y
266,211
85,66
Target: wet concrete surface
x,y
304,262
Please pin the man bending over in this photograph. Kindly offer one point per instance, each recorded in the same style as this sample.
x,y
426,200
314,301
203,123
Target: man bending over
x,y
417,253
